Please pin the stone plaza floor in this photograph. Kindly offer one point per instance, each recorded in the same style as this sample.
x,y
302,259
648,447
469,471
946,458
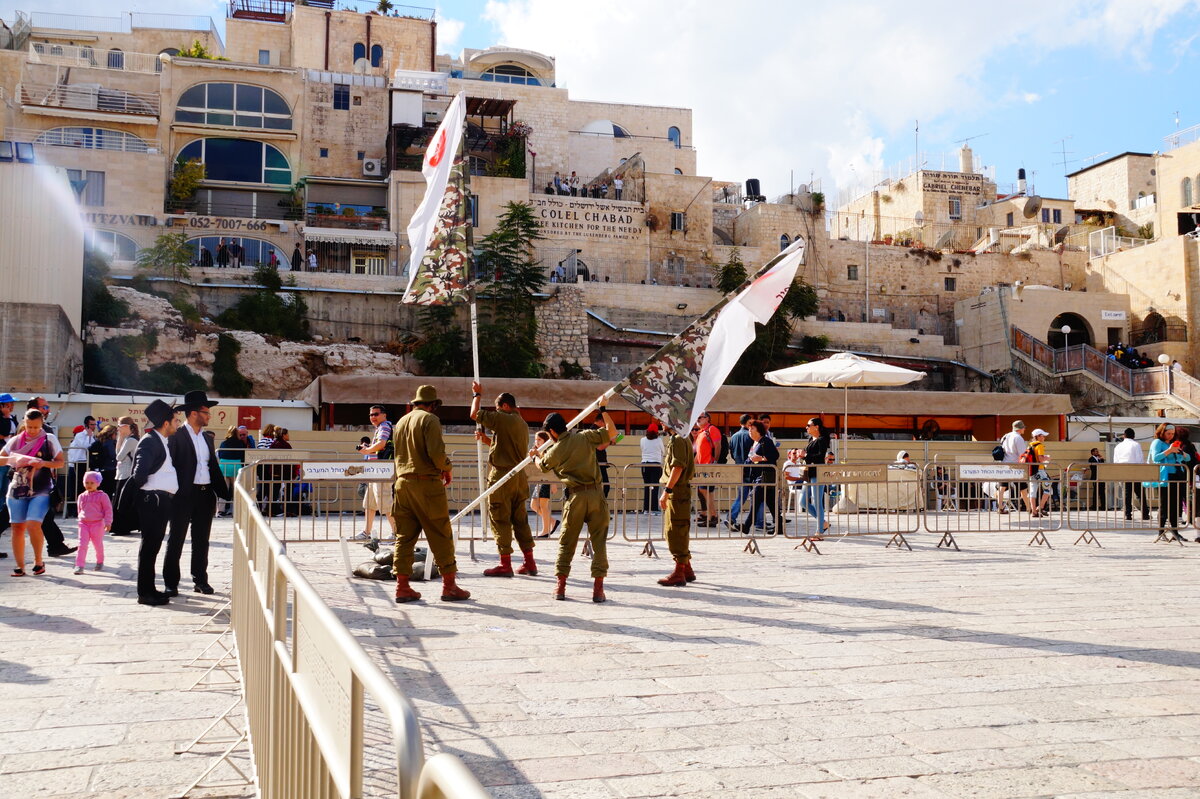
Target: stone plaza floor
x,y
1001,670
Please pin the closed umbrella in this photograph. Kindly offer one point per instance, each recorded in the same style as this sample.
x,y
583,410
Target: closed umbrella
x,y
843,370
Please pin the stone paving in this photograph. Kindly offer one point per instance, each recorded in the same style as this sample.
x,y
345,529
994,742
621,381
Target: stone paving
x,y
93,686
1001,670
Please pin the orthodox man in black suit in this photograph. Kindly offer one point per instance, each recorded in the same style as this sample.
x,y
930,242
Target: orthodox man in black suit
x,y
155,482
200,483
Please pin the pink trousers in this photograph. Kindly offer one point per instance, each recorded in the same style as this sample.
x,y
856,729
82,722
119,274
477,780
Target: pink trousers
x,y
93,533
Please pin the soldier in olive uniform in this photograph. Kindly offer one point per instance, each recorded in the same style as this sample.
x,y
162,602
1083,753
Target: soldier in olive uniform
x,y
676,502
506,507
422,474
572,457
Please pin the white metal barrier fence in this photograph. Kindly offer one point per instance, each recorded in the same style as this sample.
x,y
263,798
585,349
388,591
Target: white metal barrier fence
x,y
312,693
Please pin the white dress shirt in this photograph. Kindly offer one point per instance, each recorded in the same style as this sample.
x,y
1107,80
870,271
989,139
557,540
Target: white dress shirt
x,y
77,452
165,478
1128,451
202,476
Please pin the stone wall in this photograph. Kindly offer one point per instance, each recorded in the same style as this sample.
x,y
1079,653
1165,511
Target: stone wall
x,y
42,352
562,328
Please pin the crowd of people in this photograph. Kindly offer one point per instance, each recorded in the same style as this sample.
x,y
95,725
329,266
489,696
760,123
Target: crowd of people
x,y
1129,356
574,186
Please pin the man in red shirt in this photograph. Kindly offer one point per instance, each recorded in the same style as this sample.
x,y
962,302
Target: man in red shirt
x,y
707,447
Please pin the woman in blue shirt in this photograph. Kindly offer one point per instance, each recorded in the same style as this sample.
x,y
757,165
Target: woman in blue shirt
x,y
1168,453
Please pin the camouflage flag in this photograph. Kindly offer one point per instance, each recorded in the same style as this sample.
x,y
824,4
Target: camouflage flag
x,y
676,383
438,231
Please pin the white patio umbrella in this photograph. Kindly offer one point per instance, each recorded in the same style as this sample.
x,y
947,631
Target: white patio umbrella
x,y
843,370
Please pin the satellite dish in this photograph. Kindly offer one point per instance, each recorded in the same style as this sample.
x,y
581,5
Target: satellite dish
x,y
944,240
361,66
1061,234
919,219
1031,207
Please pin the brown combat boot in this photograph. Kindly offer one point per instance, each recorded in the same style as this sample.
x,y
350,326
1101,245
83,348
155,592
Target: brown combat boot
x,y
560,590
529,566
450,591
503,570
404,592
677,577
688,574
598,590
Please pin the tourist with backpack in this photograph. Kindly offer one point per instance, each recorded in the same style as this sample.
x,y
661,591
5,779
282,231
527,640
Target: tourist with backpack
x,y
1014,446
379,496
1037,495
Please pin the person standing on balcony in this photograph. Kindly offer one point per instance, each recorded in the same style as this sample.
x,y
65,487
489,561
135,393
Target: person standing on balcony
x,y
573,183
558,184
618,186
222,254
235,254
312,260
297,258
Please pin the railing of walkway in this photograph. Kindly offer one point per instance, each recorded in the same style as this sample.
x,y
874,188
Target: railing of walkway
x,y
312,691
1082,357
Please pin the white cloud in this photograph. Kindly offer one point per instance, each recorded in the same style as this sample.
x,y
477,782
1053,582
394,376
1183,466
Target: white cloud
x,y
448,31
781,85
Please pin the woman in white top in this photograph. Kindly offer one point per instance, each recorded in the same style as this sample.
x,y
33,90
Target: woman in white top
x,y
652,455
125,519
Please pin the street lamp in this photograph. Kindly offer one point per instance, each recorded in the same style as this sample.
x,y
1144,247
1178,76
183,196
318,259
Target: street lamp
x,y
1164,359
1066,331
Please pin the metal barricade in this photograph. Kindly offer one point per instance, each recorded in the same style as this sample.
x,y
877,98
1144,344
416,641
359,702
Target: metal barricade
x,y
852,500
994,497
747,501
313,695
1128,497
315,507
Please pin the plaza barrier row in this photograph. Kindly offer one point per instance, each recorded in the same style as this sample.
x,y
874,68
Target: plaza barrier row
x,y
751,503
323,718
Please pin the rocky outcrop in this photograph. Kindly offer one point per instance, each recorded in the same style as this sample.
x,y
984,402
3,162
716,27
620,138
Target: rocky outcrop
x,y
278,369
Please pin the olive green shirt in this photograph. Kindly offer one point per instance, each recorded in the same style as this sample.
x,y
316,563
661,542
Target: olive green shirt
x,y
573,457
678,452
420,449
510,440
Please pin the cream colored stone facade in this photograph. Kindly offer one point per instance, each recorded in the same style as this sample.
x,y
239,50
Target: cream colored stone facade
x,y
1124,185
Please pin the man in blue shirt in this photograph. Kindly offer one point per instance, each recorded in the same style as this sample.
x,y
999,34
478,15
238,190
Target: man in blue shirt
x,y
739,451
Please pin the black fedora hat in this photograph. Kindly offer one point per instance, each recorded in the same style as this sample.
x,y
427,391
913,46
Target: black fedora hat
x,y
158,412
194,401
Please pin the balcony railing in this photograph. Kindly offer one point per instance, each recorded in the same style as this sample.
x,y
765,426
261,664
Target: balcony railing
x,y
1156,334
347,222
83,57
88,97
202,205
126,22
85,138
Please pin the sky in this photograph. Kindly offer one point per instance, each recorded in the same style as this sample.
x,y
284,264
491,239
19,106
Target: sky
x,y
790,91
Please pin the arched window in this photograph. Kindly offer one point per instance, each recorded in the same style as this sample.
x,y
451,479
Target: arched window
x,y
784,242
112,245
1187,191
239,161
620,132
510,73
116,59
93,139
376,55
673,135
254,251
233,104
170,51
56,49
360,51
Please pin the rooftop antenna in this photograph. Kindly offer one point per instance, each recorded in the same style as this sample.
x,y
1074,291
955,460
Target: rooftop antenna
x,y
1063,162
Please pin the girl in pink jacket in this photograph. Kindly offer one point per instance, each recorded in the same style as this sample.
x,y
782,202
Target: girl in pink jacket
x,y
95,519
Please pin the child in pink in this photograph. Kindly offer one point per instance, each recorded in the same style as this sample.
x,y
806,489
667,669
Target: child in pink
x,y
95,519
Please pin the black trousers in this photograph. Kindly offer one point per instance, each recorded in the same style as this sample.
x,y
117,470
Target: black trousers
x,y
1170,496
651,473
154,514
192,508
1130,490
56,544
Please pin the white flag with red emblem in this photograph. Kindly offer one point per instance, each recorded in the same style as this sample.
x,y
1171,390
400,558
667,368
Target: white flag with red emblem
x,y
437,271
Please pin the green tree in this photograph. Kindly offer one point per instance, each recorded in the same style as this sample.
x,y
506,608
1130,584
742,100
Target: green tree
x,y
169,255
385,7
769,349
444,350
99,305
197,50
508,330
268,310
186,177
228,381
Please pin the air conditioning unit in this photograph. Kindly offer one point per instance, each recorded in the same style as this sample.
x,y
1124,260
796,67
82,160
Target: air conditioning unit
x,y
373,167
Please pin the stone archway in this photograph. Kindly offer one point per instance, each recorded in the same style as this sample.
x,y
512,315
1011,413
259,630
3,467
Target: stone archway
x,y
1081,332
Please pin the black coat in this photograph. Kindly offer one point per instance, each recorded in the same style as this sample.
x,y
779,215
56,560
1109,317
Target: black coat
x,y
183,455
148,458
